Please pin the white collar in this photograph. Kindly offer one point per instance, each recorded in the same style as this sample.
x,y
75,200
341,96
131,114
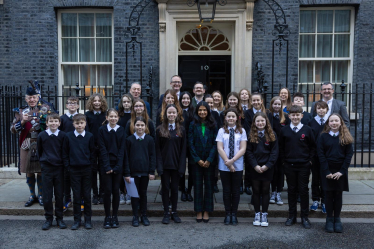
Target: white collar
x,y
332,133
137,137
245,105
255,111
171,125
96,112
198,101
299,126
110,128
77,134
127,111
50,133
318,118
329,101
263,132
185,109
276,113
71,115
228,127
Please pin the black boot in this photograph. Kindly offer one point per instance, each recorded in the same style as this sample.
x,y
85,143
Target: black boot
x,y
338,226
115,223
329,227
107,222
61,224
227,220
47,225
87,223
144,220
135,221
183,196
166,219
234,219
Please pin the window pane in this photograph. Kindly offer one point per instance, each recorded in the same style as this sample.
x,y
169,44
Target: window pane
x,y
103,25
324,21
69,50
307,21
104,50
341,46
88,75
104,75
339,71
86,50
324,45
342,20
68,24
86,25
307,46
322,71
306,72
70,73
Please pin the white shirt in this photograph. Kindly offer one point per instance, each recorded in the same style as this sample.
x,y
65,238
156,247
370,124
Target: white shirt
x,y
332,133
71,115
178,93
197,101
127,111
77,134
246,107
171,125
50,133
96,112
275,114
110,128
299,126
137,137
329,103
185,109
318,119
256,111
224,138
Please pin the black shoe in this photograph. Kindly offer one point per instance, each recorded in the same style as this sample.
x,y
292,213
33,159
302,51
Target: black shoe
x,y
241,190
199,220
166,219
107,222
31,201
61,224
290,221
329,227
338,226
144,220
234,219
306,223
47,225
115,223
135,221
40,200
76,225
183,196
95,200
227,220
189,197
215,189
206,220
101,200
175,218
88,224
248,191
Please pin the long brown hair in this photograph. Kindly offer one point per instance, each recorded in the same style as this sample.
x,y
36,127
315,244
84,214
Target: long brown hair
x,y
133,116
238,122
104,104
269,133
176,103
238,106
249,99
282,116
121,110
289,101
164,127
220,107
345,136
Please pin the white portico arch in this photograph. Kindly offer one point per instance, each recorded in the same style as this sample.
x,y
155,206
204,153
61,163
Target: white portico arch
x,y
175,13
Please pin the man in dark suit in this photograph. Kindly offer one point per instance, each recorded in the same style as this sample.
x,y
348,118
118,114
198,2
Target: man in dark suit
x,y
136,91
199,91
176,85
335,106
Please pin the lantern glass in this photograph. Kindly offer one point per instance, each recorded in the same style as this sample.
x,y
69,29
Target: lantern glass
x,y
207,9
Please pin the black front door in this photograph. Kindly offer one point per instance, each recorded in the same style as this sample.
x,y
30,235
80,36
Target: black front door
x,y
213,70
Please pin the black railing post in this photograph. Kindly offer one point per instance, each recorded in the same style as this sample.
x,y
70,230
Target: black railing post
x,y
370,121
77,89
342,88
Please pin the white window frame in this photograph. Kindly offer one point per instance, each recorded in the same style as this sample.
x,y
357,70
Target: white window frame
x,y
314,59
62,108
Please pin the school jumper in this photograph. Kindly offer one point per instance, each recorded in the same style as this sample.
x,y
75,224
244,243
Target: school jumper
x,y
124,119
151,128
50,157
307,117
296,150
202,144
79,155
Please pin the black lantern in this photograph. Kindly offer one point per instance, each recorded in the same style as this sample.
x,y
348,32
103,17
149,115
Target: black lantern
x,y
206,8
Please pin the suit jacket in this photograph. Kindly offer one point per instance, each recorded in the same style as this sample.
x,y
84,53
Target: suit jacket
x,y
202,147
336,107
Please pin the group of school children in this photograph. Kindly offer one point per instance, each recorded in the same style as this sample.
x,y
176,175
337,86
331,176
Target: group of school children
x,y
268,144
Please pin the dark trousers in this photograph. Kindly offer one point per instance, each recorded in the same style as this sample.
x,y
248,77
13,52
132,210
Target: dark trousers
x,y
111,188
231,182
170,181
297,181
247,175
98,191
142,186
182,181
67,185
80,178
203,189
334,203
317,190
53,183
277,183
261,195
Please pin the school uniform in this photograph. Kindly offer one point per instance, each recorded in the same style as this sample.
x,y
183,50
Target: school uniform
x,y
94,121
222,119
307,117
203,146
334,157
317,124
142,163
151,128
50,157
113,156
191,165
78,156
297,149
216,115
171,164
231,181
124,119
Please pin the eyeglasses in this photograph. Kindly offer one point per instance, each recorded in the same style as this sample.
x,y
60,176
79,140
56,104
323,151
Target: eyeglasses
x,y
138,106
72,103
176,82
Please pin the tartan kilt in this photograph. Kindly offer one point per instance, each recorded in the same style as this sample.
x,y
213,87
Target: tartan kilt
x,y
203,188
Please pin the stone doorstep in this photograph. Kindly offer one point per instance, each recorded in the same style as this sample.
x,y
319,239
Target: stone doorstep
x,y
354,173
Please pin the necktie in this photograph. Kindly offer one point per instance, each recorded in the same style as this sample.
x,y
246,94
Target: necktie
x,y
334,135
276,116
294,129
53,135
80,136
244,107
139,139
322,121
170,128
231,143
260,134
112,131
71,117
97,113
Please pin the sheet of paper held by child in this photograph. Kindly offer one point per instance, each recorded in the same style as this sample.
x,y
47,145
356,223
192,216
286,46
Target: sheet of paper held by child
x,y
131,188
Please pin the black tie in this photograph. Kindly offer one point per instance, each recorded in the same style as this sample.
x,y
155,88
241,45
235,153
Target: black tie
x,y
71,117
322,121
139,139
231,143
244,107
170,128
276,116
97,113
294,129
80,136
112,131
53,135
260,134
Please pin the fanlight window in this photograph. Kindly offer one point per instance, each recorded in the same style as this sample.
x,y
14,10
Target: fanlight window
x,y
205,38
